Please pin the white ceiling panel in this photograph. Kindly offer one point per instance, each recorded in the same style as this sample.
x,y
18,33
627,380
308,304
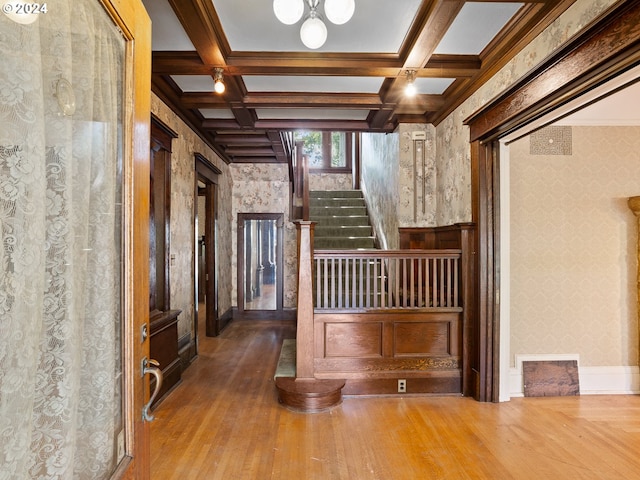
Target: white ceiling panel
x,y
618,109
310,114
475,26
166,30
367,31
267,83
194,83
432,86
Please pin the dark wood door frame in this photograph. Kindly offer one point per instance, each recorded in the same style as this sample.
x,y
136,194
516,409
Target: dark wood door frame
x,y
607,48
207,173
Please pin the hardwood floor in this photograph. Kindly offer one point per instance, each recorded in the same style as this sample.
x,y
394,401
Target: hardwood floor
x,y
224,422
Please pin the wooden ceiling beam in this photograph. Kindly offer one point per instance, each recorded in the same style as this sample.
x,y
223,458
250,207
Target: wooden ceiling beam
x,y
271,159
432,23
201,24
189,63
326,125
248,152
302,100
237,139
430,32
203,100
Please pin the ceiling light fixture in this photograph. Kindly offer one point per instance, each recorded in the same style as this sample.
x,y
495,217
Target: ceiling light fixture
x,y
218,82
410,89
313,31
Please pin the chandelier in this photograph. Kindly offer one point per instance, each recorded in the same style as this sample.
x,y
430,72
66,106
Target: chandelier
x,y
313,31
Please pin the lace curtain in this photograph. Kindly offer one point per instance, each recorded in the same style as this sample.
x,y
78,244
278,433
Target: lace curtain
x,y
60,215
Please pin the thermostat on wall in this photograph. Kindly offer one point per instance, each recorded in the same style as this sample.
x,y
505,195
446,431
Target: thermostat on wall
x,y
418,135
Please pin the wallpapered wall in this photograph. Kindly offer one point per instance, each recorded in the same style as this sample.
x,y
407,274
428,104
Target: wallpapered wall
x,y
394,166
454,194
330,181
387,170
453,155
182,272
379,180
264,188
573,247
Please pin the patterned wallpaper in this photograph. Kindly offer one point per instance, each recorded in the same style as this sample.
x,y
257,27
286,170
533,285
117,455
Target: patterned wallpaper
x,y
614,344
330,181
453,156
380,174
573,247
182,272
264,188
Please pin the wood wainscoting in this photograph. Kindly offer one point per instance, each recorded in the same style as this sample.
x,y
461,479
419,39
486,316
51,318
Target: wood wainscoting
x,y
374,350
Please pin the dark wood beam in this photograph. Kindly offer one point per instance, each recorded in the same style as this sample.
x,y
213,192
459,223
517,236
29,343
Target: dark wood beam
x,y
190,63
433,22
249,152
201,24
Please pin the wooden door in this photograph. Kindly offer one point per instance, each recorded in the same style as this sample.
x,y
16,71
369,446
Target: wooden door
x,y
132,19
74,245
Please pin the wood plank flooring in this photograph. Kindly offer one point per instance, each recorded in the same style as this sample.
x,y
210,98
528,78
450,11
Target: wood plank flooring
x,y
224,422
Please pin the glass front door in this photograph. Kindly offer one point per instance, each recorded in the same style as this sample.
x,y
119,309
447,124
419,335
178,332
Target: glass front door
x,y
64,271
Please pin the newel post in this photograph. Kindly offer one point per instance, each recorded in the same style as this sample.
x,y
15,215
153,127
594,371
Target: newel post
x,y
304,332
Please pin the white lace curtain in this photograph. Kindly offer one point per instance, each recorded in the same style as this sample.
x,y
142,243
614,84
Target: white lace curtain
x,y
60,214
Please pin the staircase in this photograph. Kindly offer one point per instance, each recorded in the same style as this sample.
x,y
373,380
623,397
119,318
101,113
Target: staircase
x,y
342,220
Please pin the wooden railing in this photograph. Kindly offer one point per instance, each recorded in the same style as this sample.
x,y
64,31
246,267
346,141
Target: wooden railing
x,y
387,279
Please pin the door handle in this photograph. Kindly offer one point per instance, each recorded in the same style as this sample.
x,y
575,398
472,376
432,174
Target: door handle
x,y
151,366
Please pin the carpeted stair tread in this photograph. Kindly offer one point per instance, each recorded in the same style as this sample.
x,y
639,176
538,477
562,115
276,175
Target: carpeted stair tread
x,y
342,230
336,202
342,222
335,194
337,220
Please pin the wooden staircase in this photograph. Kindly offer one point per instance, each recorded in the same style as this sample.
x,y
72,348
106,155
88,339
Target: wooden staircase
x,y
341,220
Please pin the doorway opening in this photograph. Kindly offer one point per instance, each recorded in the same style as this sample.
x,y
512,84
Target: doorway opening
x,y
205,269
260,265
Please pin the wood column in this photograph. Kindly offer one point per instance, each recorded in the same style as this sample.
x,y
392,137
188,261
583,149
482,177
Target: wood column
x,y
304,335
634,205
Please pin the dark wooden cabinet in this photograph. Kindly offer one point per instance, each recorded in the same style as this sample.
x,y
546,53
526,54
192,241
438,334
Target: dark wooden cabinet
x,y
164,349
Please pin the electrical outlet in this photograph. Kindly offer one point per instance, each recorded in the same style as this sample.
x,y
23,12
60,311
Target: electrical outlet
x,y
402,385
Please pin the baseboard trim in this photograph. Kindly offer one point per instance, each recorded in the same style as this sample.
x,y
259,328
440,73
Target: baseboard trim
x,y
607,380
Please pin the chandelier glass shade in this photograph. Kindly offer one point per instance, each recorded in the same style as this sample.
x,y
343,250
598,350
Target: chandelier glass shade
x,y
313,31
288,11
339,12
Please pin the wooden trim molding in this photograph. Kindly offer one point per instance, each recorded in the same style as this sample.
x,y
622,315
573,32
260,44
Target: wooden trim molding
x,y
608,47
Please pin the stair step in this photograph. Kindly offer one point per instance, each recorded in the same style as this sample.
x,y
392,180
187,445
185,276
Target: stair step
x,y
336,202
337,220
342,230
342,222
335,194
329,243
347,211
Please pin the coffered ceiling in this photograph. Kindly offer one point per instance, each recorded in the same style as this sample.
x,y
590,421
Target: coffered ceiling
x,y
354,82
